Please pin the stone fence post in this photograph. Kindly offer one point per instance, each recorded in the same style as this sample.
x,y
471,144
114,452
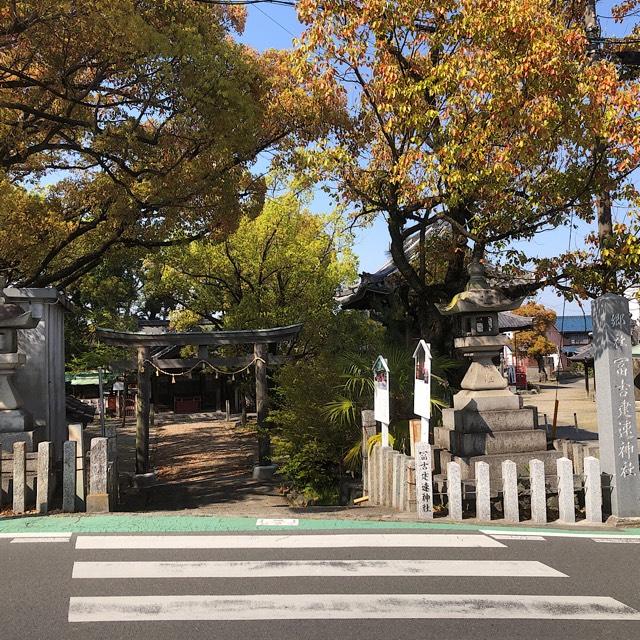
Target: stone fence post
x,y
98,498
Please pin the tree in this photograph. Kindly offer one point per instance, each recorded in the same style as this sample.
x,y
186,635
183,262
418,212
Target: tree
x,y
128,124
282,267
473,117
534,342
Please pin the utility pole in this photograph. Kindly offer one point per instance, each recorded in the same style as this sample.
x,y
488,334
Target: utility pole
x,y
628,60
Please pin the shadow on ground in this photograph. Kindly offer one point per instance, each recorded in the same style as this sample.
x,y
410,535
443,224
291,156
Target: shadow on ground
x,y
199,465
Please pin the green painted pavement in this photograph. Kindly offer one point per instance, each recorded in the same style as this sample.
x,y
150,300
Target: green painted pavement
x,y
145,523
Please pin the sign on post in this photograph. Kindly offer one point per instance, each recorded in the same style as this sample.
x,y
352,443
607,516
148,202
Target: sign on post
x,y
422,407
381,397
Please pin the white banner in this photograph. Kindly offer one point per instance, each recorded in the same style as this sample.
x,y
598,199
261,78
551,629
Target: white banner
x,y
381,390
422,380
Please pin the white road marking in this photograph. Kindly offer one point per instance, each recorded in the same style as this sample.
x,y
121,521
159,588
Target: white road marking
x,y
277,522
619,540
39,534
339,541
35,540
345,606
561,534
314,568
537,538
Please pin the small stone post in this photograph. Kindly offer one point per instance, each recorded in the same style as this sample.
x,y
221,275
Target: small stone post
x,y
402,504
538,492
98,498
483,492
368,430
454,490
396,481
617,429
388,476
76,434
566,498
42,492
382,475
0,476
19,477
372,472
593,490
510,491
69,476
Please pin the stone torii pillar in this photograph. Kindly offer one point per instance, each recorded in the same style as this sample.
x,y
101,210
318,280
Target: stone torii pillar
x,y
260,353
143,405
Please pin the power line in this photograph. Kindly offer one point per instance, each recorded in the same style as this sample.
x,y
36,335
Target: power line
x,y
275,21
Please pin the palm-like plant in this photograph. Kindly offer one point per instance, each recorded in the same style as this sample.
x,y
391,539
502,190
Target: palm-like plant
x,y
355,393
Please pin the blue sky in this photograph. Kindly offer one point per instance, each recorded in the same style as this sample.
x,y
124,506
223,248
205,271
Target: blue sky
x,y
272,26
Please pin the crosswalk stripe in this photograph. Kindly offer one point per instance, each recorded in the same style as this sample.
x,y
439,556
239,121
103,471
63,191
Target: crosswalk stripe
x,y
284,541
38,540
332,606
559,534
314,568
41,534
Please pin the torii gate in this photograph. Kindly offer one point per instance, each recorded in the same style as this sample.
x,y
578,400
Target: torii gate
x,y
143,342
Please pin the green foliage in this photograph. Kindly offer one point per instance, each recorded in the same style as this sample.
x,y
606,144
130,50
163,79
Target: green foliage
x,y
282,267
321,399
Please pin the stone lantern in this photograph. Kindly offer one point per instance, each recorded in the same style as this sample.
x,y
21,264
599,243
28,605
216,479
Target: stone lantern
x,y
477,335
487,422
13,418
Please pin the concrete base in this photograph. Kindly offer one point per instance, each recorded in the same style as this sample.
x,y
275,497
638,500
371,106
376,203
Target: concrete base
x,y
15,420
480,444
491,400
143,480
490,421
31,438
264,472
98,503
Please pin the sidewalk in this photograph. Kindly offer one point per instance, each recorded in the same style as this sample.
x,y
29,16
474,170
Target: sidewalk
x,y
162,523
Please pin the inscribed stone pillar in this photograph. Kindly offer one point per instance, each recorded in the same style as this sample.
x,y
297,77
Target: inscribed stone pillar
x,y
483,492
510,491
19,477
617,427
42,481
98,469
98,498
423,480
69,476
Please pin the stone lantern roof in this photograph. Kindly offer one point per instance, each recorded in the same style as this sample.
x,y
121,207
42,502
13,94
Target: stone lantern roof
x,y
479,296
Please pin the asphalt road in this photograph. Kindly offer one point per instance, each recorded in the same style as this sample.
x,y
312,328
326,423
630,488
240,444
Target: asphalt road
x,y
350,584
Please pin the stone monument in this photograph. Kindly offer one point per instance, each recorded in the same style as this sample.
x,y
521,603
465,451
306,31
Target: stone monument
x,y
16,423
487,422
617,429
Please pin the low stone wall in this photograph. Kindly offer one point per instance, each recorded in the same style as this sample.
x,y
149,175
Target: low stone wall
x,y
389,478
566,497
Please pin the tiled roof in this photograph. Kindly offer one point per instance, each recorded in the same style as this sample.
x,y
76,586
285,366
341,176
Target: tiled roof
x,y
574,324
